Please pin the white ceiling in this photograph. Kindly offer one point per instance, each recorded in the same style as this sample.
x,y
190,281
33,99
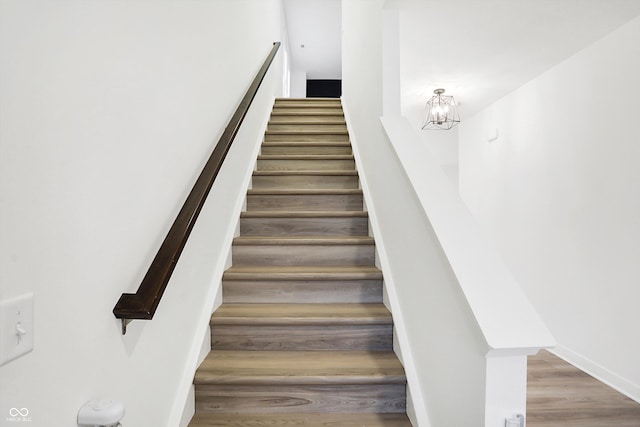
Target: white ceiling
x,y
316,25
479,50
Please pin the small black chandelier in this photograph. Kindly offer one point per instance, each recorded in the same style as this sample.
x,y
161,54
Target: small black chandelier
x,y
442,112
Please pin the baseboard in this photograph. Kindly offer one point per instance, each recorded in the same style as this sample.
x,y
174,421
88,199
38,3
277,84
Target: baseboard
x,y
613,380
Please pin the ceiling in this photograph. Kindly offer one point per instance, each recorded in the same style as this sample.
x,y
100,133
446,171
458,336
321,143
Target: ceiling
x,y
479,50
315,42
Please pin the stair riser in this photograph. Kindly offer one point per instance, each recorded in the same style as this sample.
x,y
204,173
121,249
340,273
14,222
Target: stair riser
x,y
347,255
386,398
304,202
306,119
292,337
331,110
305,165
304,226
313,128
306,138
305,149
306,182
300,420
318,291
305,102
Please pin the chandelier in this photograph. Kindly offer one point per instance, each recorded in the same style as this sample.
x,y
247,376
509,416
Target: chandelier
x,y
442,112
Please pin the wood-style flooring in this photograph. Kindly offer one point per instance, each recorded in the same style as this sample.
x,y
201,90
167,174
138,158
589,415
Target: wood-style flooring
x,y
561,395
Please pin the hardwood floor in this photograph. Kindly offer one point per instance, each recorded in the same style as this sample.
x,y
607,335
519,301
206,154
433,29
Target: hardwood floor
x,y
559,394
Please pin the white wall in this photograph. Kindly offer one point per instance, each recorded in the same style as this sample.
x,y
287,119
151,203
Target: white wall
x,y
298,84
108,111
428,307
558,190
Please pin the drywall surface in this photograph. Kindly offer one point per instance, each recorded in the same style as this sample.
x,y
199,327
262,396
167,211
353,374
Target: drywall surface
x,y
509,325
558,192
442,349
298,84
108,111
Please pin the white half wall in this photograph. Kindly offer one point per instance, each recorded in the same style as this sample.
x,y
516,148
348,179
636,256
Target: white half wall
x,y
428,307
558,191
108,111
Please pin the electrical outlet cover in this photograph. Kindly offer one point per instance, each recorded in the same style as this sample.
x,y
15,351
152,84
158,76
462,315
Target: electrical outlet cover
x,y
16,314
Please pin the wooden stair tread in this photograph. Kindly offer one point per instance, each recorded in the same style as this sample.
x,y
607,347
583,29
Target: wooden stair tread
x,y
300,367
303,273
305,191
303,214
306,173
303,240
306,143
332,112
308,103
305,157
309,109
277,112
301,420
309,119
302,314
308,99
320,131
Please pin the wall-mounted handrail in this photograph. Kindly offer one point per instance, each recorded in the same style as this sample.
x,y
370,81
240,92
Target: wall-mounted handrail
x,y
143,304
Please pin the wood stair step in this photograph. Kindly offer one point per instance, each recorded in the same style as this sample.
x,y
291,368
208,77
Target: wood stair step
x,y
304,241
318,119
305,162
301,420
308,99
306,130
301,314
308,110
298,147
300,382
276,199
303,250
301,398
306,144
302,127
302,273
306,137
222,367
301,284
307,103
295,223
305,179
302,327
306,157
305,214
306,173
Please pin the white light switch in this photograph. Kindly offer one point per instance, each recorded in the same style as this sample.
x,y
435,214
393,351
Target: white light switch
x,y
16,327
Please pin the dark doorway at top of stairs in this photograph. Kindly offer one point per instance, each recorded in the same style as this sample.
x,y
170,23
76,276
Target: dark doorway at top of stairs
x,y
324,88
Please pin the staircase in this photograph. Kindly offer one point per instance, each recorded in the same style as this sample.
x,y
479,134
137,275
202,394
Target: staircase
x,y
302,337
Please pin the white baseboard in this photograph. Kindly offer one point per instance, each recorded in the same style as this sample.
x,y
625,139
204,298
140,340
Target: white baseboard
x,y
613,380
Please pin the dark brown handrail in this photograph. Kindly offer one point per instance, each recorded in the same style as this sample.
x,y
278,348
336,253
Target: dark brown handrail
x,y
143,304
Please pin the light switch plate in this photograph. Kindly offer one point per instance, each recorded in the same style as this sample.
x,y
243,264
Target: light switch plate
x,y
16,314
